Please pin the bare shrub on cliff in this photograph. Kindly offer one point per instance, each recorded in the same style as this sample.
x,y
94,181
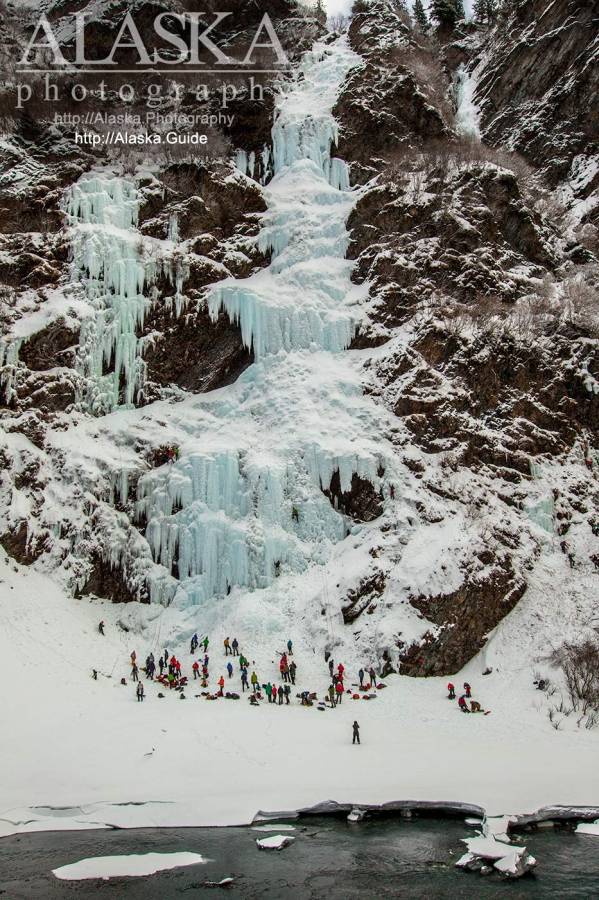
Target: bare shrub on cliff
x,y
581,299
579,664
588,236
426,67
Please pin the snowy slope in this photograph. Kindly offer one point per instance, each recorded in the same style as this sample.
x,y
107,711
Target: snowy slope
x,y
81,753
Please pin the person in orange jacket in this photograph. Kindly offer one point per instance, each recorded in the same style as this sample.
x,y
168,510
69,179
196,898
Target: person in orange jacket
x,y
221,684
196,669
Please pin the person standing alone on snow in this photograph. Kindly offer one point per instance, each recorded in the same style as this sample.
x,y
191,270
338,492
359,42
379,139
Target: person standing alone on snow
x,y
101,627
356,733
140,692
230,670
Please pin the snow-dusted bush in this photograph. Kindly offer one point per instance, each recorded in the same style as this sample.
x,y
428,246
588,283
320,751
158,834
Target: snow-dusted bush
x,y
579,664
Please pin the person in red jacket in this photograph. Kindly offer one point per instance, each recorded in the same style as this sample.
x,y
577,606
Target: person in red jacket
x,y
467,689
178,668
196,669
221,684
341,670
451,689
463,705
339,691
274,693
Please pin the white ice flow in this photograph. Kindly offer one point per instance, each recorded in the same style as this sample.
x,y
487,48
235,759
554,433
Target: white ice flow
x,y
244,502
117,267
131,865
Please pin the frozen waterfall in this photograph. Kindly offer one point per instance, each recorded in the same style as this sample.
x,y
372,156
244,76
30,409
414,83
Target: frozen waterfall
x,y
297,303
117,267
244,502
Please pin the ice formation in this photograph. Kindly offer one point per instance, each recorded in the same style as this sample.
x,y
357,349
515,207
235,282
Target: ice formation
x,y
467,117
297,302
117,267
244,501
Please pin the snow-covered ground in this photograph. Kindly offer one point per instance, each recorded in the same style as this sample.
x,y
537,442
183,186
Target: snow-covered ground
x,y
79,753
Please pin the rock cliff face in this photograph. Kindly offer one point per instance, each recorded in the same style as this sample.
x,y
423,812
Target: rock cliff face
x,y
537,90
473,334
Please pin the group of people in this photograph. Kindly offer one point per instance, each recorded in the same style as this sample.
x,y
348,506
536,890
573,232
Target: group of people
x,y
169,672
463,699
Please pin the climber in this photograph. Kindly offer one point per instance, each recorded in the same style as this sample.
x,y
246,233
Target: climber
x,y
451,689
462,704
150,669
372,675
341,670
161,665
177,668
287,691
205,643
292,671
196,669
356,733
133,657
140,692
331,666
235,647
134,672
281,695
171,680
295,514
254,681
284,668
94,674
290,648
221,685
244,680
165,657
230,669
204,672
227,646
467,689
475,706
206,660
392,495
101,627
332,695
361,677
339,691
268,691
274,693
